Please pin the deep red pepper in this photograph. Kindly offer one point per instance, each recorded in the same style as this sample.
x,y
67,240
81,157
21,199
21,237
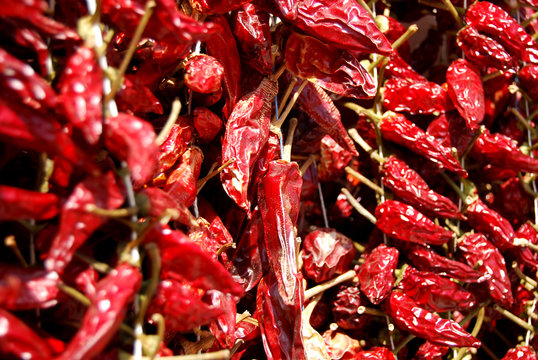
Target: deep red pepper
x,y
137,98
158,201
376,273
416,97
340,346
32,288
346,302
209,7
466,91
528,80
375,353
405,223
521,353
175,144
407,184
18,204
525,255
398,68
203,74
334,159
207,123
429,351
181,184
408,316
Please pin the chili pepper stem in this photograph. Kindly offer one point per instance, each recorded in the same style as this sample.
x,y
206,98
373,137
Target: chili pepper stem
x,y
534,36
217,355
309,309
476,135
289,139
74,293
285,98
159,320
403,343
454,187
525,243
174,113
322,203
354,134
370,311
405,36
515,319
148,11
521,118
359,247
490,352
309,161
289,106
10,242
533,17
279,72
365,180
359,110
453,11
361,210
527,280
201,182
155,258
366,7
111,213
492,75
103,268
347,276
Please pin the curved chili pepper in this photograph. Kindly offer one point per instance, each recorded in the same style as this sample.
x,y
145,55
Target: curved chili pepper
x,y
479,252
525,255
466,91
408,316
416,97
333,69
346,302
407,184
137,98
18,204
340,346
32,288
429,351
395,127
177,142
520,353
334,159
403,222
376,274
181,184
203,74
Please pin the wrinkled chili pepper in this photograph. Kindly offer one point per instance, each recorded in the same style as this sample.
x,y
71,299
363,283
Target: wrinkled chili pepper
x,y
525,255
398,68
105,315
466,91
18,204
33,288
181,184
404,222
346,302
375,353
181,135
19,340
376,273
395,127
334,159
203,74
340,346
209,7
408,316
333,69
326,253
528,80
479,252
247,131
158,201
520,353
137,98
207,123
429,351
407,184
434,292
415,97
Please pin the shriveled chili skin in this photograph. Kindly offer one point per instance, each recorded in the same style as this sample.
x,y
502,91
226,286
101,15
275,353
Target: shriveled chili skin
x,y
520,353
207,123
398,68
203,74
405,223
429,351
29,288
395,127
181,184
375,353
407,184
376,273
528,80
466,91
415,97
340,345
346,302
334,159
479,252
19,204
408,316
209,7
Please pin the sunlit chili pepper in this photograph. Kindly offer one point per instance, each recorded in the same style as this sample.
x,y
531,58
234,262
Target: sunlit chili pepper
x,y
434,292
18,204
181,183
32,288
333,69
247,131
407,184
375,353
415,97
398,68
19,340
520,353
157,201
429,351
203,74
175,144
105,314
209,7
528,80
404,222
28,38
334,159
137,98
340,346
525,255
326,253
376,273
347,301
408,316
207,123
466,91
395,127
479,252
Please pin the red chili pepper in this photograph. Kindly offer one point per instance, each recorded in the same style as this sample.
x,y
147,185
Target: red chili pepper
x,y
207,123
525,255
28,38
479,252
513,202
434,292
376,274
19,340
405,223
416,97
247,131
181,183
520,353
334,159
426,259
466,91
32,288
175,144
333,69
105,315
528,80
158,201
375,353
429,351
407,184
408,316
326,254
203,74
398,68
346,302
81,91
340,346
137,98
393,29
395,127
209,7
19,204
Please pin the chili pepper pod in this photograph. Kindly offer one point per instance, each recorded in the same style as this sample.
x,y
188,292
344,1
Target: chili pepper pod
x,y
247,131
407,184
137,98
405,223
525,255
340,346
375,353
395,127
203,74
376,273
333,69
466,91
479,252
345,308
18,204
207,123
429,351
528,80
520,353
408,316
177,142
415,97
333,160
32,288
397,68
181,183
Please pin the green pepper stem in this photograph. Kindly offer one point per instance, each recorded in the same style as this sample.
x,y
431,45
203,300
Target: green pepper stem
x,y
452,10
405,36
290,105
309,161
402,343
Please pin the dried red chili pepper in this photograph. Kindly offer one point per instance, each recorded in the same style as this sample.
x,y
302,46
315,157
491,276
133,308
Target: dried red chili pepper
x,y
429,351
466,91
434,292
525,255
252,31
207,123
376,274
407,184
81,91
404,222
483,51
158,201
393,29
76,224
408,316
528,80
181,183
512,201
105,315
181,135
426,259
398,68
247,131
375,353
334,159
203,74
18,204
395,127
32,288
479,252
209,7
346,302
19,340
340,346
333,69
520,353
137,98
416,97
326,253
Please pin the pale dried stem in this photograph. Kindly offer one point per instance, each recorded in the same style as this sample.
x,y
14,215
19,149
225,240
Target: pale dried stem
x,y
357,206
364,180
329,284
172,118
289,139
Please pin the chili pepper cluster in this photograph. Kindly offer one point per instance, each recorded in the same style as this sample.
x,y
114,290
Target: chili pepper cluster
x,y
247,179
